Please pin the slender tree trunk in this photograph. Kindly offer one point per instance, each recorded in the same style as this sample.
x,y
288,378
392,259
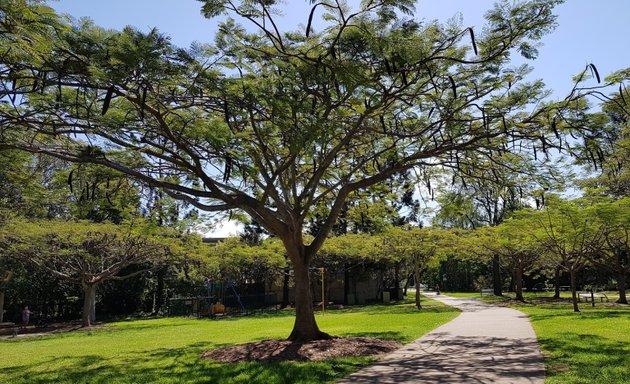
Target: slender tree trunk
x,y
159,291
396,282
6,279
305,327
93,305
511,286
621,286
556,294
1,306
285,289
382,283
518,277
497,284
417,281
89,305
407,285
346,284
574,291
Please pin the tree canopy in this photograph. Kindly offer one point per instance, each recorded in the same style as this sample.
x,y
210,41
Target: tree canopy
x,y
277,124
90,254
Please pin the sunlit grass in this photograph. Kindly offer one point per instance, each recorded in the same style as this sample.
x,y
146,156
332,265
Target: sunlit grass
x,y
167,350
592,346
528,296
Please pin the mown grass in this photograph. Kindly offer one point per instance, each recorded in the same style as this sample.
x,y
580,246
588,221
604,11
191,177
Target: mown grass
x,y
167,350
529,296
592,346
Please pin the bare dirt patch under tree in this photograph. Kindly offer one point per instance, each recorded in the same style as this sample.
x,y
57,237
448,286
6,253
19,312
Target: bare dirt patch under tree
x,y
317,350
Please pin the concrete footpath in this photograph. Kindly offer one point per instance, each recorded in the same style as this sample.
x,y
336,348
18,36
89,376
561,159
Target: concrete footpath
x,y
484,344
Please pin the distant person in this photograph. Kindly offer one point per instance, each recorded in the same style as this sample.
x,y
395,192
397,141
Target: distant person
x,y
437,289
26,316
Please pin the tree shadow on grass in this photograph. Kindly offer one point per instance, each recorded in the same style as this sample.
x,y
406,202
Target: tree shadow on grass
x,y
404,309
179,365
587,358
151,323
34,373
569,315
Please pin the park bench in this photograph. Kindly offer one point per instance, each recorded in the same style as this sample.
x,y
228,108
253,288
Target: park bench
x,y
486,291
587,295
8,325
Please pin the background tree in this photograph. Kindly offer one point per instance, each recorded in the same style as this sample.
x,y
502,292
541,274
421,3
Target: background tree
x,y
6,270
488,196
352,253
236,260
517,247
5,279
5,275
9,263
165,211
87,254
278,124
29,185
613,255
418,248
570,236
607,156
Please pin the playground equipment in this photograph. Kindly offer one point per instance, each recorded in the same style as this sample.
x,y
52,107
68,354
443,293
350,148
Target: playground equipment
x,y
219,295
216,295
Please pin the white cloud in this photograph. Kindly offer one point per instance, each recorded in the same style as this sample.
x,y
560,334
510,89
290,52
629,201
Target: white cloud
x,y
224,228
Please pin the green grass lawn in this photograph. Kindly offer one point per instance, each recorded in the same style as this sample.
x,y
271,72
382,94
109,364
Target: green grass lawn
x,y
592,346
529,296
167,350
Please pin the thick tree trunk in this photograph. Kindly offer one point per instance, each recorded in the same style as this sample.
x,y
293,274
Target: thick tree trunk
x,y
574,291
621,286
305,327
89,305
518,277
497,284
556,288
1,306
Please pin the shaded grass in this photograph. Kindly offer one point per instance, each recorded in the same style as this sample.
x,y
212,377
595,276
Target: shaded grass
x,y
592,346
167,350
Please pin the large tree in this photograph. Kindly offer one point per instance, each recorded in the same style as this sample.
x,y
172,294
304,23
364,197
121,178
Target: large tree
x,y
277,124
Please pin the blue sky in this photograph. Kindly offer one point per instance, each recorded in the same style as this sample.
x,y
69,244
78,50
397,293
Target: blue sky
x,y
589,31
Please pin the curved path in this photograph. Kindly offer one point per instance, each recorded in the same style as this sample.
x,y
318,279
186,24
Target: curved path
x,y
484,344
